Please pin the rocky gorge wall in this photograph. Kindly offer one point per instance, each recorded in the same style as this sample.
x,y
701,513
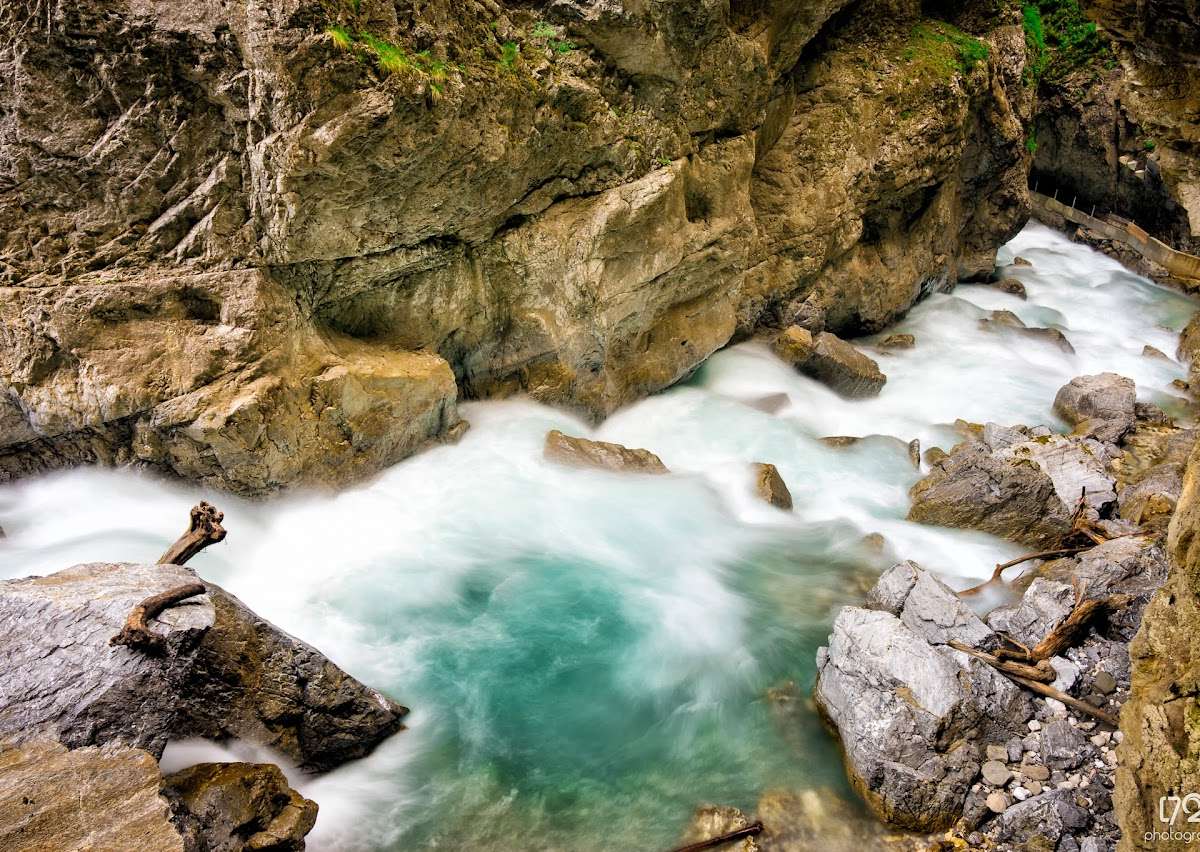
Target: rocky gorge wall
x,y
272,245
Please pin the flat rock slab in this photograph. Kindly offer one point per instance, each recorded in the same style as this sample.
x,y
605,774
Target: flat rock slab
x,y
99,799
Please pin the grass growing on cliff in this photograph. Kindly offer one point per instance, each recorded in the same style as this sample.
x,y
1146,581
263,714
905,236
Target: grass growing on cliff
x,y
1059,39
392,58
944,50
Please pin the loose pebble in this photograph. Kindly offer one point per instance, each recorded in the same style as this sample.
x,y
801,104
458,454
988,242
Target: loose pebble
x,y
996,773
1020,794
997,752
997,802
1035,725
1105,683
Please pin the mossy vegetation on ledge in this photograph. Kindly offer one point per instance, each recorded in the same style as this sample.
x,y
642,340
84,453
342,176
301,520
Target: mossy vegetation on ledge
x,y
941,50
1059,39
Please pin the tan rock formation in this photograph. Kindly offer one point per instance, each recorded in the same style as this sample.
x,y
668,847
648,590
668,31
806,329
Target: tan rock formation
x,y
238,248
1160,754
96,799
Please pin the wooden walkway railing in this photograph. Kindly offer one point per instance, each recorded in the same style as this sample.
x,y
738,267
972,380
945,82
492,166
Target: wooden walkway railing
x,y
1180,264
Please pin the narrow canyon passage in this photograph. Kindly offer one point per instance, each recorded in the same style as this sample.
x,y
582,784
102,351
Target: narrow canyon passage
x,y
590,656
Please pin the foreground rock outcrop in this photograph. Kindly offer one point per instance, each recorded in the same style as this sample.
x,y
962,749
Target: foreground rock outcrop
x,y
270,250
929,739
223,672
112,798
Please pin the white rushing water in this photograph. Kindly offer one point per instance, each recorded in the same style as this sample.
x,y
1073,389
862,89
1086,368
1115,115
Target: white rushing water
x,y
587,654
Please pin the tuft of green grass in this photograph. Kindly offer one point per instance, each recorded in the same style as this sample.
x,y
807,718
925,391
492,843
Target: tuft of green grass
x,y
510,52
341,36
1149,145
1059,39
544,30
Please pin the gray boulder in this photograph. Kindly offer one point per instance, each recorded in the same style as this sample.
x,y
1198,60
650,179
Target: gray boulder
x,y
908,709
830,360
223,671
1026,490
1100,406
1042,608
1040,821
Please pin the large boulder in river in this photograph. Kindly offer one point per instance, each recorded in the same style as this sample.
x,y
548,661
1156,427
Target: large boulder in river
x,y
830,360
1021,484
222,672
909,709
99,799
1100,406
581,452
231,807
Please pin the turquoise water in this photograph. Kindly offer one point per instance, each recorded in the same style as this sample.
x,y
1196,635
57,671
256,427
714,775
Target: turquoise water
x,y
588,656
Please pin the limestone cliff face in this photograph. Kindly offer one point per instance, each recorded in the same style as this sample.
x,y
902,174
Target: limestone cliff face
x,y
273,244
1122,131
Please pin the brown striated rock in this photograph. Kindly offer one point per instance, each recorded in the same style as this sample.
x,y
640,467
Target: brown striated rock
x,y
580,452
238,252
100,799
830,360
239,807
770,486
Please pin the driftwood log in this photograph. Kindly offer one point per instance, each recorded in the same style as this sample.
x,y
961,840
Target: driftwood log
x,y
136,632
749,831
1029,667
1043,671
205,529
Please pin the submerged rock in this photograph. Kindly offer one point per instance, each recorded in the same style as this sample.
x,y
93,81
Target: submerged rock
x,y
1017,484
581,452
769,485
1100,406
898,341
224,672
99,798
231,807
1012,324
830,360
1012,286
